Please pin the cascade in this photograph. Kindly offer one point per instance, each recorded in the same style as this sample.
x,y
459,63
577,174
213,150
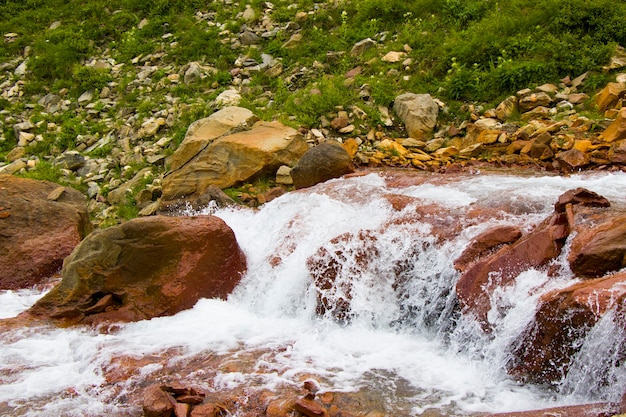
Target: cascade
x,y
389,326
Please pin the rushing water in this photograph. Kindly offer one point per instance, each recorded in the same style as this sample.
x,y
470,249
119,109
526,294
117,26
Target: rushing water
x,y
406,346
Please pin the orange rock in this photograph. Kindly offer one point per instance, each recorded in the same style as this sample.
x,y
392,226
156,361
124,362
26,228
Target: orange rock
x,y
617,129
610,95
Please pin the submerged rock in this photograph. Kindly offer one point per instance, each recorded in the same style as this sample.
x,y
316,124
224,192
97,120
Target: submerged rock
x,y
147,267
41,223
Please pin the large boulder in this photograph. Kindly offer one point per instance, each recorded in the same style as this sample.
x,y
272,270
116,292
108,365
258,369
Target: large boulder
x,y
418,112
235,158
40,224
146,267
617,129
486,242
544,352
204,131
321,163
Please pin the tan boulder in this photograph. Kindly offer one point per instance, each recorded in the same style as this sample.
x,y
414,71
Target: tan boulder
x,y
534,100
235,158
617,129
204,131
418,112
41,222
572,159
146,267
506,108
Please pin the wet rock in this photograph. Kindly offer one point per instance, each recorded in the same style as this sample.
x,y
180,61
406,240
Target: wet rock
x,y
157,403
543,353
310,408
584,410
418,112
485,242
321,163
531,251
146,267
41,223
599,250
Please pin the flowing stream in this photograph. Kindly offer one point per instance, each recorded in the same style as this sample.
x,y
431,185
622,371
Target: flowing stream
x,y
406,348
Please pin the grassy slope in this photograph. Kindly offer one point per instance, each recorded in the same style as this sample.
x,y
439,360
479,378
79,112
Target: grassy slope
x,y
461,50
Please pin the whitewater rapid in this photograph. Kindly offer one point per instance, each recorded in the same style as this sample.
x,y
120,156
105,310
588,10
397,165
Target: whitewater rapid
x,y
413,352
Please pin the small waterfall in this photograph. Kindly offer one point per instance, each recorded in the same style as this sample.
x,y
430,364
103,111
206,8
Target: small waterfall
x,y
388,326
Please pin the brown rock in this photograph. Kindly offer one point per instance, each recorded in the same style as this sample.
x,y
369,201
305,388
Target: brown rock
x,y
205,410
599,250
157,403
572,159
150,267
321,163
545,350
610,95
617,129
339,123
580,196
310,408
182,409
37,232
506,108
617,153
584,410
486,242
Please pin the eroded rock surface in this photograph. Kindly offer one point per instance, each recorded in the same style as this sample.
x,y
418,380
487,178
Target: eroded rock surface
x,y
147,267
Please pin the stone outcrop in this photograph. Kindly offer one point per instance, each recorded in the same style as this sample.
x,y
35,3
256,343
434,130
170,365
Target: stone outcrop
x,y
418,112
487,241
326,161
40,224
145,268
234,158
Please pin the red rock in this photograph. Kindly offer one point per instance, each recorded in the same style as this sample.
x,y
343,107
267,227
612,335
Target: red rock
x,y
580,196
532,251
486,242
151,267
598,250
310,408
157,403
182,410
205,410
545,350
41,223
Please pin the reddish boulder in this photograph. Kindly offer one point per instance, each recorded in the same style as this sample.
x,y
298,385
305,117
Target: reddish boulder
x,y
545,350
599,250
146,267
486,242
157,403
310,408
534,250
326,161
580,196
41,222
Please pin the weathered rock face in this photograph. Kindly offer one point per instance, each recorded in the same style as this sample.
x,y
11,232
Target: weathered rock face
x,y
545,350
204,131
145,268
599,250
418,112
235,158
325,161
40,224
